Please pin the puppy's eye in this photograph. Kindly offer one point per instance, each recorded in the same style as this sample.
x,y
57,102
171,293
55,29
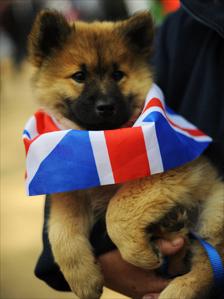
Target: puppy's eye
x,y
79,77
118,75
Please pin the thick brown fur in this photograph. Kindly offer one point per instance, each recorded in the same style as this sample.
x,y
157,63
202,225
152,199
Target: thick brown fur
x,y
99,46
139,211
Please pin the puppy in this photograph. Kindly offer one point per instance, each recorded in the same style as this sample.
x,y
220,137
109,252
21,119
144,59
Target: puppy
x,y
96,77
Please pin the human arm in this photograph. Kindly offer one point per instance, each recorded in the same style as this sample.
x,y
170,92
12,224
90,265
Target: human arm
x,y
130,280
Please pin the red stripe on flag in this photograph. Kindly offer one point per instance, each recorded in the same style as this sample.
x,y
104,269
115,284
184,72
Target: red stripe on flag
x,y
127,153
27,142
152,103
193,132
45,123
155,102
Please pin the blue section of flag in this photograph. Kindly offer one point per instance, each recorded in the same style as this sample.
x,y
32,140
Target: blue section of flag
x,y
176,149
25,132
169,110
71,165
62,167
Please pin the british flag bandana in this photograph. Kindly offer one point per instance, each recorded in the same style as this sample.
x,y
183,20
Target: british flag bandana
x,y
65,160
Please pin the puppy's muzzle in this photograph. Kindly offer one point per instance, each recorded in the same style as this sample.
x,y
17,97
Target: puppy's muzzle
x,y
104,109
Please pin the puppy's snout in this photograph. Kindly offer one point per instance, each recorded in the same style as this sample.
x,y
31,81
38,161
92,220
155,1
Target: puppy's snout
x,y
105,108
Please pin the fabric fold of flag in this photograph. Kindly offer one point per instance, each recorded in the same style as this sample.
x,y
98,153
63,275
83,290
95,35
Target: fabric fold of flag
x,y
65,160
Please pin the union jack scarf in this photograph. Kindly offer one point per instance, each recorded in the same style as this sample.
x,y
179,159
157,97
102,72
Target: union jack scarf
x,y
65,160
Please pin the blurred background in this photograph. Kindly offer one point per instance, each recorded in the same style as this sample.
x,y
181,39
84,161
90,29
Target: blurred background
x,y
22,217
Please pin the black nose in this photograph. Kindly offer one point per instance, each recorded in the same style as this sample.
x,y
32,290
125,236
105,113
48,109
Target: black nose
x,y
104,109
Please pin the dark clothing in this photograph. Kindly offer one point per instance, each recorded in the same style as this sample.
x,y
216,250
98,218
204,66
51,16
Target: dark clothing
x,y
189,67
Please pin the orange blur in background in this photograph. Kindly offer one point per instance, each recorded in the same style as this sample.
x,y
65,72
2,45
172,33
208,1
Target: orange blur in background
x,y
170,5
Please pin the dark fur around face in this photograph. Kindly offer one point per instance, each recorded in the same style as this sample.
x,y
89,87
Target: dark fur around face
x,y
95,74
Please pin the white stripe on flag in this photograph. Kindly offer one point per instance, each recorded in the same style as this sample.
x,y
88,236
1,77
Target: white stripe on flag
x,y
203,138
180,121
102,159
154,92
140,122
31,128
39,150
152,148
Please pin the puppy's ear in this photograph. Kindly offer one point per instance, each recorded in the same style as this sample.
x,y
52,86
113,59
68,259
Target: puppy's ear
x,y
138,31
49,33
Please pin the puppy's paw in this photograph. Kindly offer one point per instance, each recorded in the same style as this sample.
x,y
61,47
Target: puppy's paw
x,y
86,283
145,257
183,288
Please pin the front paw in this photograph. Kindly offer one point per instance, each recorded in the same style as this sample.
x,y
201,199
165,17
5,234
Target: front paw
x,y
185,287
86,283
142,255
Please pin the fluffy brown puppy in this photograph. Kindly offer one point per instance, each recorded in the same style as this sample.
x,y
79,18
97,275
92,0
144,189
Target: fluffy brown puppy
x,y
96,77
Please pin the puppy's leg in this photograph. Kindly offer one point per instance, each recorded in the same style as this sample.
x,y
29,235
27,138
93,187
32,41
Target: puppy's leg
x,y
195,284
198,282
146,202
135,207
69,225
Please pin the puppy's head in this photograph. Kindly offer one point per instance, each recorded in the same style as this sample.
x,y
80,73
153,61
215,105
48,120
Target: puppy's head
x,y
95,74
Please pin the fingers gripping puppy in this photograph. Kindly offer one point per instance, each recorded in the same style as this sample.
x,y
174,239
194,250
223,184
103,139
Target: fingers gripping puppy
x,y
95,77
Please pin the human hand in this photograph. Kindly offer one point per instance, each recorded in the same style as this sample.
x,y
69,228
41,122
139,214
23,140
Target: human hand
x,y
134,282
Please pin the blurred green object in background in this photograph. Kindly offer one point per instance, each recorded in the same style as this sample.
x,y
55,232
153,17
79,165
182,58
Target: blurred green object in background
x,y
160,8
